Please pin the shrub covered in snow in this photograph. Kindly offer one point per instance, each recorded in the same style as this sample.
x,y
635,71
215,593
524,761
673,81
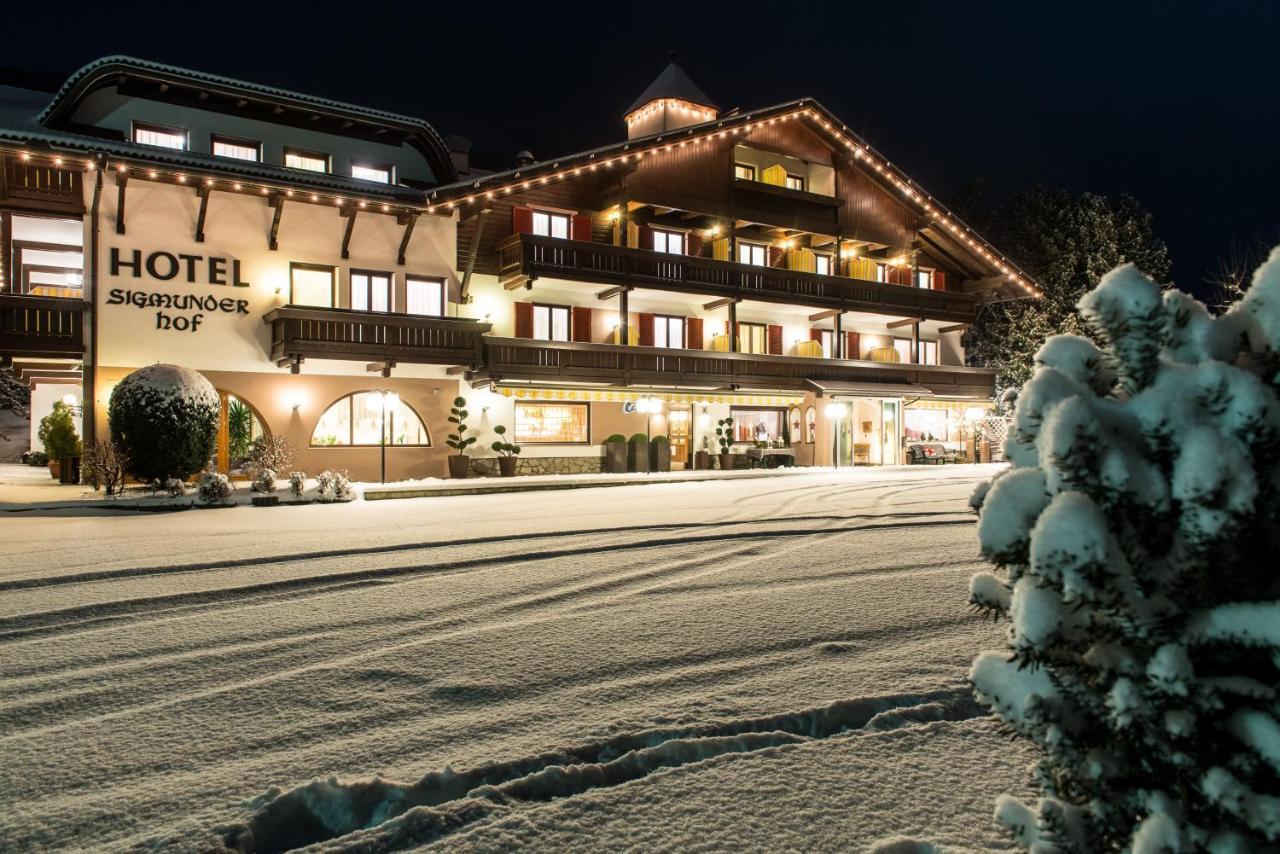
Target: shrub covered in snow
x,y
1137,529
165,417
333,485
214,487
297,483
264,481
270,452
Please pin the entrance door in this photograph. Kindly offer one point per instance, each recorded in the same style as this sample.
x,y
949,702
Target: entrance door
x,y
238,428
678,434
889,453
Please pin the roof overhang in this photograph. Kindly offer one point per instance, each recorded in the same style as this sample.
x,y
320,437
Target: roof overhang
x,y
834,388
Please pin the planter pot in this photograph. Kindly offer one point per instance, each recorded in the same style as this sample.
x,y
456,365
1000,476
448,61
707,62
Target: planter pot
x,y
55,468
702,460
69,470
615,458
458,466
507,466
726,461
659,456
638,456
265,500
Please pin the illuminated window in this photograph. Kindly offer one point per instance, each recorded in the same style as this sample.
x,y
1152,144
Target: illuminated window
x,y
236,149
668,331
756,425
668,241
358,419
555,423
311,284
753,253
903,346
370,291
551,322
795,182
752,338
159,136
549,224
828,341
928,352
311,161
822,264
924,279
379,172
745,171
882,273
424,296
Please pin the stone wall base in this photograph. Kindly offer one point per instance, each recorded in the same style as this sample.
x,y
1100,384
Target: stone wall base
x,y
488,466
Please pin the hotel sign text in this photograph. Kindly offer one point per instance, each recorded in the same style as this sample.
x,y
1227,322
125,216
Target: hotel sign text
x,y
166,266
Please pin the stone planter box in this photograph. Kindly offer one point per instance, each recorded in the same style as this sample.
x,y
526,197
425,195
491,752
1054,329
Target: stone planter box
x,y
265,500
659,456
615,458
637,456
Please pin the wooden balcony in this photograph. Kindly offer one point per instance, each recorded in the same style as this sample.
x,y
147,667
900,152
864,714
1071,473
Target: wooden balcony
x,y
40,186
524,257
554,362
41,326
303,332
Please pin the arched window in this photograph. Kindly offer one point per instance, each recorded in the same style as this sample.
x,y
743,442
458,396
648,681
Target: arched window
x,y
357,420
239,428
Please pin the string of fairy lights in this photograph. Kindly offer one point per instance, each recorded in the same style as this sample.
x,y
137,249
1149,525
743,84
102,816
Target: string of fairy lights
x,y
516,182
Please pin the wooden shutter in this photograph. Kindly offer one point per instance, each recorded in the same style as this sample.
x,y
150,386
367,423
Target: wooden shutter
x,y
646,329
524,319
693,244
644,237
581,228
521,220
851,344
775,255
939,280
693,333
581,323
815,335
774,338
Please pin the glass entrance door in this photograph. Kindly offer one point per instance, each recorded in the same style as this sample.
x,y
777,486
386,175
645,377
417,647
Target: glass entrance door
x,y
890,452
678,434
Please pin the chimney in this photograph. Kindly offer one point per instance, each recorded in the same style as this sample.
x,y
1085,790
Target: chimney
x,y
524,157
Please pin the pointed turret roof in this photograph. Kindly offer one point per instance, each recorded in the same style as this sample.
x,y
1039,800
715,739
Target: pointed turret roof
x,y
673,82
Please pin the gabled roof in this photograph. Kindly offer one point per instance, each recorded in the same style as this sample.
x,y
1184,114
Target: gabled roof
x,y
672,83
109,69
822,121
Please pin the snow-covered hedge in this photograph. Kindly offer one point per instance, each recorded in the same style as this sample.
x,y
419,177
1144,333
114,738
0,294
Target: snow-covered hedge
x,y
165,417
1138,531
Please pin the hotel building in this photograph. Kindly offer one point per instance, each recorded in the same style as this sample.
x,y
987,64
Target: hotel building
x,y
310,256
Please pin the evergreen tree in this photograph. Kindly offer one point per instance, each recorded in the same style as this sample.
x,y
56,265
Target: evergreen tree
x,y
1137,531
1066,243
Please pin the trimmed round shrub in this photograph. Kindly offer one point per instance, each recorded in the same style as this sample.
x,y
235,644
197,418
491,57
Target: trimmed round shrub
x,y
166,419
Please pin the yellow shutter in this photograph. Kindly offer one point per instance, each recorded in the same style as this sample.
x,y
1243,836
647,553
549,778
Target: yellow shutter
x,y
633,336
775,175
633,234
720,343
861,268
810,349
720,249
803,260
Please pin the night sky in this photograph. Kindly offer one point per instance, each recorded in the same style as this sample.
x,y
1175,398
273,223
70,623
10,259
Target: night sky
x,y
1175,103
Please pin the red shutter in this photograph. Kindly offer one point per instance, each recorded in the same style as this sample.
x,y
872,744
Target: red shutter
x,y
524,318
581,228
775,255
693,244
774,340
582,323
646,329
815,335
521,220
644,237
851,344
693,333
939,280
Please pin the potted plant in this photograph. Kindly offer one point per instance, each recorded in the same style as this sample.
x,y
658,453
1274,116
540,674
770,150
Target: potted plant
x,y
615,454
724,435
58,435
458,439
507,452
660,454
638,453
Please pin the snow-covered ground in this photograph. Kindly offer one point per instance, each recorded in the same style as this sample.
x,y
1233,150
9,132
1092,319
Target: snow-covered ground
x,y
758,664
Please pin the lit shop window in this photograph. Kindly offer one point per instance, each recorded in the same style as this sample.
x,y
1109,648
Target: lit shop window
x,y
311,161
668,332
556,423
745,171
311,284
822,264
928,352
752,338
159,136
424,296
380,173
753,253
668,241
237,149
756,425
370,291
551,322
795,182
546,224
358,419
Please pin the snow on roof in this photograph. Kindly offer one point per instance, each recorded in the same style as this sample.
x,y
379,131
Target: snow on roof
x,y
673,82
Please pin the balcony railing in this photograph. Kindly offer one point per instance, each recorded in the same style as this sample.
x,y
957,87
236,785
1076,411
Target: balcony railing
x,y
524,257
554,362
303,332
41,186
41,326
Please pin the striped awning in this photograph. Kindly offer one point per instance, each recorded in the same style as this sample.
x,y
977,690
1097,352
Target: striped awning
x,y
957,405
607,395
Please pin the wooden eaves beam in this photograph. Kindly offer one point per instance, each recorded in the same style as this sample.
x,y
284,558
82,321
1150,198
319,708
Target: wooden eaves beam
x,y
122,178
720,303
204,191
958,327
277,202
823,315
409,219
610,293
349,211
900,323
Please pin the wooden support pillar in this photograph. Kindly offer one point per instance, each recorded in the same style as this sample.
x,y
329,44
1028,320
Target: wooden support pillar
x,y
915,343
349,211
839,347
624,217
122,178
409,219
624,330
204,191
733,239
733,327
273,240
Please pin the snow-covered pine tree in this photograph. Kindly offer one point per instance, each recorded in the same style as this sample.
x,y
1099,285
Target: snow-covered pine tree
x,y
1138,530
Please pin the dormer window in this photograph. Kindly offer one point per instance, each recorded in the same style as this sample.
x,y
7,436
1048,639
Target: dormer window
x,y
549,224
795,182
745,171
380,172
236,149
162,137
312,161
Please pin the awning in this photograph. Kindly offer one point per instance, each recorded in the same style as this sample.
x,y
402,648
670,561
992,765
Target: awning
x,y
606,395
955,405
834,387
